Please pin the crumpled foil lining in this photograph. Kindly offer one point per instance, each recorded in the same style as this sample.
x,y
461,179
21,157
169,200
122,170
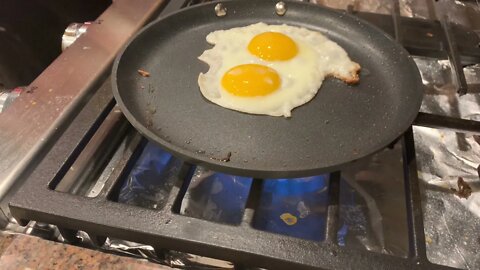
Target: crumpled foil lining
x,y
216,197
408,8
451,222
170,258
377,182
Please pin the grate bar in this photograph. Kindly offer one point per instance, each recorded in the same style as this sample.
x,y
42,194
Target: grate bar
x,y
417,246
454,57
239,244
252,203
397,23
351,9
174,201
331,227
447,122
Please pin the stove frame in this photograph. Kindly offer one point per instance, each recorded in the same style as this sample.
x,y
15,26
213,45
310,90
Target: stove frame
x,y
92,140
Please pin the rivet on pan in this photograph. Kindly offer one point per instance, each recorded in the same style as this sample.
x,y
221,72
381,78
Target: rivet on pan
x,y
220,10
281,8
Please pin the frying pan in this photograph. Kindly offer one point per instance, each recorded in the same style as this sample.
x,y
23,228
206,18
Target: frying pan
x,y
341,124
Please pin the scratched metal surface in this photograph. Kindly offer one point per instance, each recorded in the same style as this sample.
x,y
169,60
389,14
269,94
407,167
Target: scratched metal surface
x,y
37,117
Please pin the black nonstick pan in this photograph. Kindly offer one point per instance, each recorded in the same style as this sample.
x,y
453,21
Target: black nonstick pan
x,y
341,124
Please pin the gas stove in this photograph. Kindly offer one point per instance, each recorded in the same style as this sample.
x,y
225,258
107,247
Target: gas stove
x,y
100,182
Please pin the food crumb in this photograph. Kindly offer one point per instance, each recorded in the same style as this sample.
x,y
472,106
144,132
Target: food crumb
x,y
31,89
151,89
227,158
151,110
428,240
288,218
149,123
143,73
464,190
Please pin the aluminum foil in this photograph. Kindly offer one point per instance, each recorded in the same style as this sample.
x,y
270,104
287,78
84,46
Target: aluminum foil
x,y
377,182
408,8
460,12
441,91
170,258
451,222
216,197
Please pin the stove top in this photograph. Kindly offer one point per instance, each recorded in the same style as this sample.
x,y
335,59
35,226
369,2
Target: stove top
x,y
105,184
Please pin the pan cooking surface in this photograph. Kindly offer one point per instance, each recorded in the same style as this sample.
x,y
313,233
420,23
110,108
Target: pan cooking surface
x,y
341,124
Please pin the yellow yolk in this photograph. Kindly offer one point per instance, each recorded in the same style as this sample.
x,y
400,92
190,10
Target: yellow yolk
x,y
273,46
251,80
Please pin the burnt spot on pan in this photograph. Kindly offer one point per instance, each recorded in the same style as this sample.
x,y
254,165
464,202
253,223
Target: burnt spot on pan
x,y
224,159
143,73
150,89
149,123
150,112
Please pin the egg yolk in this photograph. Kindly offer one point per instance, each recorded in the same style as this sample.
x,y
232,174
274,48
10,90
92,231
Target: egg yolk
x,y
251,80
273,46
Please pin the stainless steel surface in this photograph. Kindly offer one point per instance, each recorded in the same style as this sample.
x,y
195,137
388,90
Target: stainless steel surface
x,y
220,10
3,100
7,97
33,122
95,155
73,32
281,8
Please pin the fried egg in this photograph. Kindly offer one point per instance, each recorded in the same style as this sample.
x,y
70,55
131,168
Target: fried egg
x,y
270,69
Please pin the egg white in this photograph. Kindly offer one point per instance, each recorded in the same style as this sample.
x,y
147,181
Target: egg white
x,y
301,76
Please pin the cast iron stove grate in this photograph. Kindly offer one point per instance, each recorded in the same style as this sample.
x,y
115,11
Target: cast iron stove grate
x,y
96,140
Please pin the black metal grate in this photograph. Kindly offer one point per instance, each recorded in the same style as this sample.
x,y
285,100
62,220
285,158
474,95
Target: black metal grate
x,y
44,197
